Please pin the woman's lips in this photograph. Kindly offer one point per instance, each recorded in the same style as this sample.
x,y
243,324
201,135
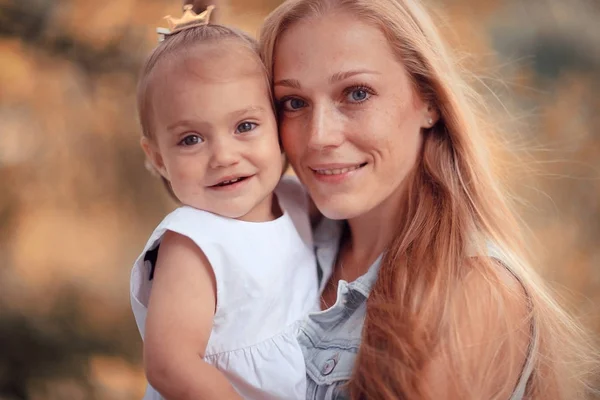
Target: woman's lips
x,y
335,173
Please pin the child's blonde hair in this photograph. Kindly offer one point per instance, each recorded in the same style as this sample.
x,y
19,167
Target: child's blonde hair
x,y
179,45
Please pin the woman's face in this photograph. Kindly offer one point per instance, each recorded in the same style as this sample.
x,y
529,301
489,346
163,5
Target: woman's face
x,y
350,120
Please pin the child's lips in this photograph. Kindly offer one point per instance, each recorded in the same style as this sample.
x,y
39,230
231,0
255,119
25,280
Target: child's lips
x,y
229,179
231,183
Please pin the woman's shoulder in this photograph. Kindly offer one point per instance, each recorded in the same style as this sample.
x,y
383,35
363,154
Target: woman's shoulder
x,y
492,273
490,311
489,272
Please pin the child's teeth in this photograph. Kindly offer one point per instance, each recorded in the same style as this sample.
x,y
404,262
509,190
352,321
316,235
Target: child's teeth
x,y
229,182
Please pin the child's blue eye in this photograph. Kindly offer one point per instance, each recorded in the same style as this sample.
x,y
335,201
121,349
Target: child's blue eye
x,y
191,140
245,127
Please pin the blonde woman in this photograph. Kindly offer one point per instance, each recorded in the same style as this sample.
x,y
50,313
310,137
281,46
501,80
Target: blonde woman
x,y
425,292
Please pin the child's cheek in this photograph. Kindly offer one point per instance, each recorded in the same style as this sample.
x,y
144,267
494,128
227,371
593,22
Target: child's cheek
x,y
183,176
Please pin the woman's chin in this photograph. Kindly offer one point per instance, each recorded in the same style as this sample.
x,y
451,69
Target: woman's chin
x,y
340,209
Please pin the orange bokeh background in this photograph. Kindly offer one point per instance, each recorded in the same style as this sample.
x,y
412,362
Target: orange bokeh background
x,y
77,205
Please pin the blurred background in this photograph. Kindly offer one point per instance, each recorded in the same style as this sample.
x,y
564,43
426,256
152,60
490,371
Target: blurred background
x,y
77,205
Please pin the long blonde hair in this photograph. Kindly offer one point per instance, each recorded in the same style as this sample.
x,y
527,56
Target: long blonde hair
x,y
454,208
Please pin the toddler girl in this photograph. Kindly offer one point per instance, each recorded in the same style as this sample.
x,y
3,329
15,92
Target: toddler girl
x,y
224,280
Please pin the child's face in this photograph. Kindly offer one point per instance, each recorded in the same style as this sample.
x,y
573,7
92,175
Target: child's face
x,y
215,132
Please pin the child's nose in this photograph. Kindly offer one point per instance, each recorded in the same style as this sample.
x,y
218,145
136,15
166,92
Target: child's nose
x,y
224,154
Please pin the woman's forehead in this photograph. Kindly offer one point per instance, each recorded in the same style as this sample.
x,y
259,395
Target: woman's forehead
x,y
329,46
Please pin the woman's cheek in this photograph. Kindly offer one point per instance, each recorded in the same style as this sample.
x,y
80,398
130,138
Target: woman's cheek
x,y
291,141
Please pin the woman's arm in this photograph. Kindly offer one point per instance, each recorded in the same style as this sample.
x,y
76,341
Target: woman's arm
x,y
484,353
179,322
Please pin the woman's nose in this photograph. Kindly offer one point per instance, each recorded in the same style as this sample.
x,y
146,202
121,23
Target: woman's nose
x,y
325,128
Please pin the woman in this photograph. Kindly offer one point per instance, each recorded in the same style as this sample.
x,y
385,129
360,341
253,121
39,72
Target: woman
x,y
440,303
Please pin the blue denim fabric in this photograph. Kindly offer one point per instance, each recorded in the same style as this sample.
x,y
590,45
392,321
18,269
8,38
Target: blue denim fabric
x,y
330,339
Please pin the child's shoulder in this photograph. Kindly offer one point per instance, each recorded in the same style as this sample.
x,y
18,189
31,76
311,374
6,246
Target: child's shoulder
x,y
185,215
192,222
187,212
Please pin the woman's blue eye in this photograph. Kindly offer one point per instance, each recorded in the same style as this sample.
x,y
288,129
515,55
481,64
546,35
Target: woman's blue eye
x,y
245,127
191,140
296,103
359,95
293,104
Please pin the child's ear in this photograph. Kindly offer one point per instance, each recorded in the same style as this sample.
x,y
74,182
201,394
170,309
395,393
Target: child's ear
x,y
154,156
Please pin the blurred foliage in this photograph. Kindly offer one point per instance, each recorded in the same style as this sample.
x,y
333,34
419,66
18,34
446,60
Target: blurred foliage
x,y
76,203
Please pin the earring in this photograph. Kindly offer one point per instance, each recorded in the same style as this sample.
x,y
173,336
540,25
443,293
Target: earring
x,y
430,121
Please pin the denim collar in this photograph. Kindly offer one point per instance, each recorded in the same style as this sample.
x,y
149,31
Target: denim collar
x,y
326,236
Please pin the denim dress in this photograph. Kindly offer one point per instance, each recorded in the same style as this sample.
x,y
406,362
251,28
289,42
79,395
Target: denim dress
x,y
330,339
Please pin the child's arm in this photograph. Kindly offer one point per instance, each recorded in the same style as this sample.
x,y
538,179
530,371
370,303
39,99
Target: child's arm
x,y
179,322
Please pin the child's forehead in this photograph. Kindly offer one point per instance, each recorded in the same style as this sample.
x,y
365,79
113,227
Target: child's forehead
x,y
217,61
208,85
206,79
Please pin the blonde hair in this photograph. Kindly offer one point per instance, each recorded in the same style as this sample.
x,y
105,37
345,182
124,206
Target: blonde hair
x,y
455,207
178,46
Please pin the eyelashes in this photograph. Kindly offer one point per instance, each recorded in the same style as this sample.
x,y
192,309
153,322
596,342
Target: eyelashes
x,y
290,104
358,94
353,95
246,126
191,140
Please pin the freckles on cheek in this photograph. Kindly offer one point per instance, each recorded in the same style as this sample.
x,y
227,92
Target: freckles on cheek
x,y
289,139
289,150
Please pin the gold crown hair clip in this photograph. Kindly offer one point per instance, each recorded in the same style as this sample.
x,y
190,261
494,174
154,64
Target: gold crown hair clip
x,y
189,19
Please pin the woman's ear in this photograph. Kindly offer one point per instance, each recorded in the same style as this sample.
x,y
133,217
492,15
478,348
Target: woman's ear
x,y
430,116
154,156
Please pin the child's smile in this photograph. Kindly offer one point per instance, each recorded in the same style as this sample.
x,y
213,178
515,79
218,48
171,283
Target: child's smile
x,y
216,138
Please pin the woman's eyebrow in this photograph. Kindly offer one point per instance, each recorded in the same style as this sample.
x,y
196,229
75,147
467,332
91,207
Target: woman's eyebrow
x,y
337,77
291,83
340,76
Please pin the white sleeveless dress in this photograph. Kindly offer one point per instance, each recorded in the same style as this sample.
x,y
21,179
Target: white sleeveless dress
x,y
266,280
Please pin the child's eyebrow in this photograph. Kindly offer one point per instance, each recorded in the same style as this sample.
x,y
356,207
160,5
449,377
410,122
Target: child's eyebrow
x,y
237,114
245,111
180,124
